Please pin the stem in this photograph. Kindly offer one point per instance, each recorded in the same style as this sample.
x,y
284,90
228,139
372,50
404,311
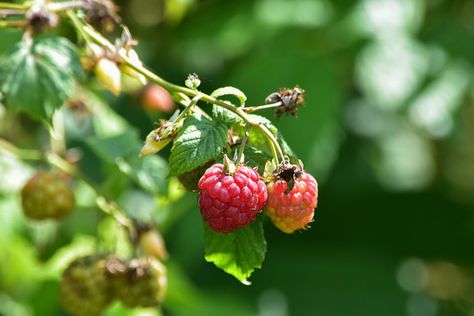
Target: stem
x,y
100,40
252,109
56,133
114,210
13,6
242,145
188,107
24,154
13,24
78,26
8,12
62,6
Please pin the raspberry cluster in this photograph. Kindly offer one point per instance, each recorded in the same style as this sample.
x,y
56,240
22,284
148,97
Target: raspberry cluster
x,y
89,284
84,286
230,200
143,283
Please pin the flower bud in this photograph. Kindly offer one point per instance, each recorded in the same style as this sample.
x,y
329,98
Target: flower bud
x,y
153,244
108,73
160,137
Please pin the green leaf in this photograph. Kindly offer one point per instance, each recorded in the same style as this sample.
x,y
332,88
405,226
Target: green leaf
x,y
258,140
199,140
150,173
238,253
225,116
37,77
111,148
230,91
122,150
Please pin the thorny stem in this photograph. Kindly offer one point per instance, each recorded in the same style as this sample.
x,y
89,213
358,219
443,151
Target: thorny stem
x,y
57,161
87,31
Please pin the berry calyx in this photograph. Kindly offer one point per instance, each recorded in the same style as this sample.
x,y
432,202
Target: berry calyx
x,y
47,195
292,198
84,287
231,200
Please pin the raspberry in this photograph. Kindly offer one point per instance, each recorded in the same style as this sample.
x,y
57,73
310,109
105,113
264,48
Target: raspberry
x,y
84,286
191,178
292,210
143,284
230,201
47,195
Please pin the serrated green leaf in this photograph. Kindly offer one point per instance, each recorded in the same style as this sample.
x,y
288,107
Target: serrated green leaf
x,y
230,91
225,116
150,174
199,140
111,148
37,77
238,253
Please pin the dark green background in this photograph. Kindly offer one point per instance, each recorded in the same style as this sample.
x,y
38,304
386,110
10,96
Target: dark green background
x,y
396,195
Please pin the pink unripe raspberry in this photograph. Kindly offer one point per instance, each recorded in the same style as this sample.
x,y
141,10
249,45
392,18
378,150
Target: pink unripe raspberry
x,y
292,210
230,201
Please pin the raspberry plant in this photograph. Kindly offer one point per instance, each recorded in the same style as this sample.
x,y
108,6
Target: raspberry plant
x,y
52,79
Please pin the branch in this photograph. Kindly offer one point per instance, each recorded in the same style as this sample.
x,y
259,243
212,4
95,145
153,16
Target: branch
x,y
13,6
252,109
92,35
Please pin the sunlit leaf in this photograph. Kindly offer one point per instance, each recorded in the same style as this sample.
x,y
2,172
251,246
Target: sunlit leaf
x,y
238,253
199,141
225,91
36,77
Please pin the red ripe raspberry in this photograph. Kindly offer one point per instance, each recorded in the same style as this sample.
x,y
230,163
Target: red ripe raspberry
x,y
295,209
230,201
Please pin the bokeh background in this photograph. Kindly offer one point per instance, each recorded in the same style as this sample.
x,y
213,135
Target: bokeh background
x,y
388,131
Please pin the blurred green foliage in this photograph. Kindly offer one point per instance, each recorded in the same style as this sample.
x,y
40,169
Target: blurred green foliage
x,y
387,130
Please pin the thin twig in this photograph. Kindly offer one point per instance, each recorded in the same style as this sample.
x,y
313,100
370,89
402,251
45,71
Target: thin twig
x,y
62,6
13,24
252,109
13,6
24,154
11,12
